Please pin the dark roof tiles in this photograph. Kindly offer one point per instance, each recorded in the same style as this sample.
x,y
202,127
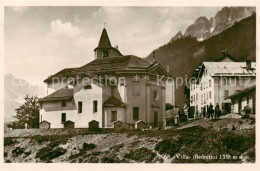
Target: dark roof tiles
x,y
62,94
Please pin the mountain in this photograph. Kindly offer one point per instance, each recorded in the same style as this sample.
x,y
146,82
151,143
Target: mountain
x,y
204,28
177,36
15,89
186,54
201,29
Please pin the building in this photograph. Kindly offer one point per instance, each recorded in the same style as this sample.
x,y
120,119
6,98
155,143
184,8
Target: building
x,y
241,99
112,87
213,82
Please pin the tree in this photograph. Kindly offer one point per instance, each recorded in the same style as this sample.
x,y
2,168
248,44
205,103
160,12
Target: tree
x,y
168,106
29,112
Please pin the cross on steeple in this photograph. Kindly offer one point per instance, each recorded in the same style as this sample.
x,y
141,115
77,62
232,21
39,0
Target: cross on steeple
x,y
105,24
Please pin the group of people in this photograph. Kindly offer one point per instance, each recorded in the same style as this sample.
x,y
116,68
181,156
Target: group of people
x,y
211,112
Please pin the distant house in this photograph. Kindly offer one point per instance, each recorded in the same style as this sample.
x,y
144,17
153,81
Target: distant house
x,y
113,87
243,98
213,82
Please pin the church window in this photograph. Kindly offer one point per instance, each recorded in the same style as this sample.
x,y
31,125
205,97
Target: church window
x,y
63,117
135,113
95,106
79,107
105,53
87,87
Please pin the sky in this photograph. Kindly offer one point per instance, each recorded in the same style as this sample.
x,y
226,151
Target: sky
x,y
40,41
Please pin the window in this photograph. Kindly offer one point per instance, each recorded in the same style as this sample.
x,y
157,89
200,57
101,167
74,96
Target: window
x,y
105,53
63,117
87,87
155,95
135,113
122,82
210,94
226,93
79,107
191,98
196,96
63,103
113,116
224,81
136,88
95,105
209,83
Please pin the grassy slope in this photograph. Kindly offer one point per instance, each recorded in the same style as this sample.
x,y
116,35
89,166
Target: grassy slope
x,y
140,146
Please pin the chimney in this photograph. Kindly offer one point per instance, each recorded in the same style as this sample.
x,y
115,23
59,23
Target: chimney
x,y
153,57
168,69
248,64
224,53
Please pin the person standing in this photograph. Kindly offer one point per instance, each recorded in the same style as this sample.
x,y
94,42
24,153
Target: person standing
x,y
211,111
217,111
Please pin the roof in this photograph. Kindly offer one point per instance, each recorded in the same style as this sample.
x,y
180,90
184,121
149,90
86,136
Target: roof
x,y
227,56
242,92
115,64
62,94
230,68
113,102
104,41
128,63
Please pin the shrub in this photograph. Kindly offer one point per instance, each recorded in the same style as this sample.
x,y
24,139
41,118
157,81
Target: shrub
x,y
92,159
235,144
117,147
48,153
107,160
9,141
168,146
5,154
141,154
17,151
245,117
27,153
40,139
87,146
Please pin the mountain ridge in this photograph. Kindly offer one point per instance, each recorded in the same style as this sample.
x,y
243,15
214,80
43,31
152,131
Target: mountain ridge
x,y
184,55
204,28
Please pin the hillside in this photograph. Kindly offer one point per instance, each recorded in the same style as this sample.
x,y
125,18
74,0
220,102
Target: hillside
x,y
234,137
185,54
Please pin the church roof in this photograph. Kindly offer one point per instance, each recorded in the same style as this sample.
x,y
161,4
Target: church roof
x,y
113,102
113,65
104,41
62,94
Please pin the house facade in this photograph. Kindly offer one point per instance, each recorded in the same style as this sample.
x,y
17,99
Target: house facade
x,y
243,98
113,87
213,82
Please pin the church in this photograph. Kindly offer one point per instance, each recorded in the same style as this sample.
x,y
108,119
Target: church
x,y
112,89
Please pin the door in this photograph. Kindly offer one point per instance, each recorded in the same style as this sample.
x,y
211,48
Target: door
x,y
155,119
